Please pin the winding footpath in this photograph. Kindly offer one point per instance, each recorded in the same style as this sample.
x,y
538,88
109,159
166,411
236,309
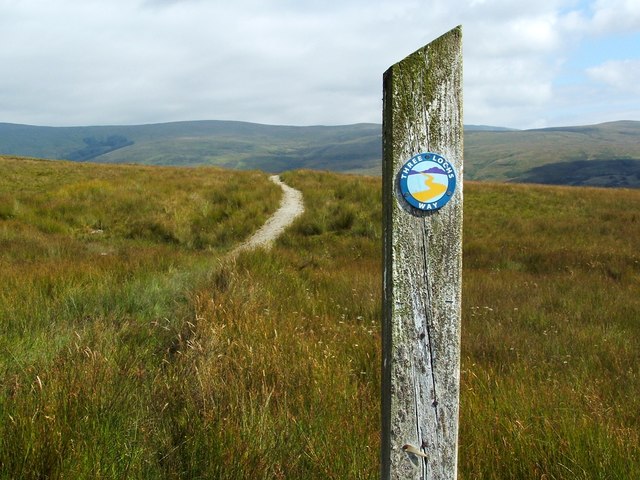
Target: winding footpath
x,y
291,207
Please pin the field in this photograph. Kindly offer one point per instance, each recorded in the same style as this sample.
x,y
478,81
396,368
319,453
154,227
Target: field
x,y
132,347
551,328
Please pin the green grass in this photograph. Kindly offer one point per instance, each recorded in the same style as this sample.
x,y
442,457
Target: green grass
x,y
166,359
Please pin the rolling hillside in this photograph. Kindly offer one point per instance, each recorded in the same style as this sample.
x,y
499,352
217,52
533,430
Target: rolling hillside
x,y
597,155
237,145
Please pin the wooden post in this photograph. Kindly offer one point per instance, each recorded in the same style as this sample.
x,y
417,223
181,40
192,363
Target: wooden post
x,y
422,158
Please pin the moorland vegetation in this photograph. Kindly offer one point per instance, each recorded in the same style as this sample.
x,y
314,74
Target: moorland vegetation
x,y
132,346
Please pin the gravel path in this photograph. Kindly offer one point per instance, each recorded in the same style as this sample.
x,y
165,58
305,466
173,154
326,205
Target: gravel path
x,y
291,207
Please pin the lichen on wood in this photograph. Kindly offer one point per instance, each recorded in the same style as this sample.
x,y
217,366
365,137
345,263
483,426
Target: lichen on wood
x,y
422,268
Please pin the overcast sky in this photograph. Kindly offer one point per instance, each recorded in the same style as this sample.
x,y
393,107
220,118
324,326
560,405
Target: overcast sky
x,y
527,63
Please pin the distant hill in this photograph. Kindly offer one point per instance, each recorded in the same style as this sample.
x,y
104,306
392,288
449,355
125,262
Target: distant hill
x,y
487,128
238,145
607,154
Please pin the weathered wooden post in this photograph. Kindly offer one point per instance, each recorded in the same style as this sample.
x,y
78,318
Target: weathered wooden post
x,y
422,197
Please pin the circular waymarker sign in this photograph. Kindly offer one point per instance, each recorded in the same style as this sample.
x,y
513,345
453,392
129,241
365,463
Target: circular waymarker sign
x,y
427,181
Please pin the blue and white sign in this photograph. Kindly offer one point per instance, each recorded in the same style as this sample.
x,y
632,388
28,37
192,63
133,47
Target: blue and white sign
x,y
427,181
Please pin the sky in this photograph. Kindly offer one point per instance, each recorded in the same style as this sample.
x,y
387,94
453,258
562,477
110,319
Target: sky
x,y
527,64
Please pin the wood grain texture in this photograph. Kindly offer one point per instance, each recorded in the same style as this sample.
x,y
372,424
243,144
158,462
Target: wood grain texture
x,y
422,268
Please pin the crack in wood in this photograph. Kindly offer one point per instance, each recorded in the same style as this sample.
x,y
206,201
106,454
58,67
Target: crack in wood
x,y
428,320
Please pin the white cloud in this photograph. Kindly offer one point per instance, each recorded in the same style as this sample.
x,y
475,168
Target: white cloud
x,y
278,61
620,75
616,16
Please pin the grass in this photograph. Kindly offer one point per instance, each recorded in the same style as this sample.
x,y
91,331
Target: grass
x,y
551,325
96,273
166,359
